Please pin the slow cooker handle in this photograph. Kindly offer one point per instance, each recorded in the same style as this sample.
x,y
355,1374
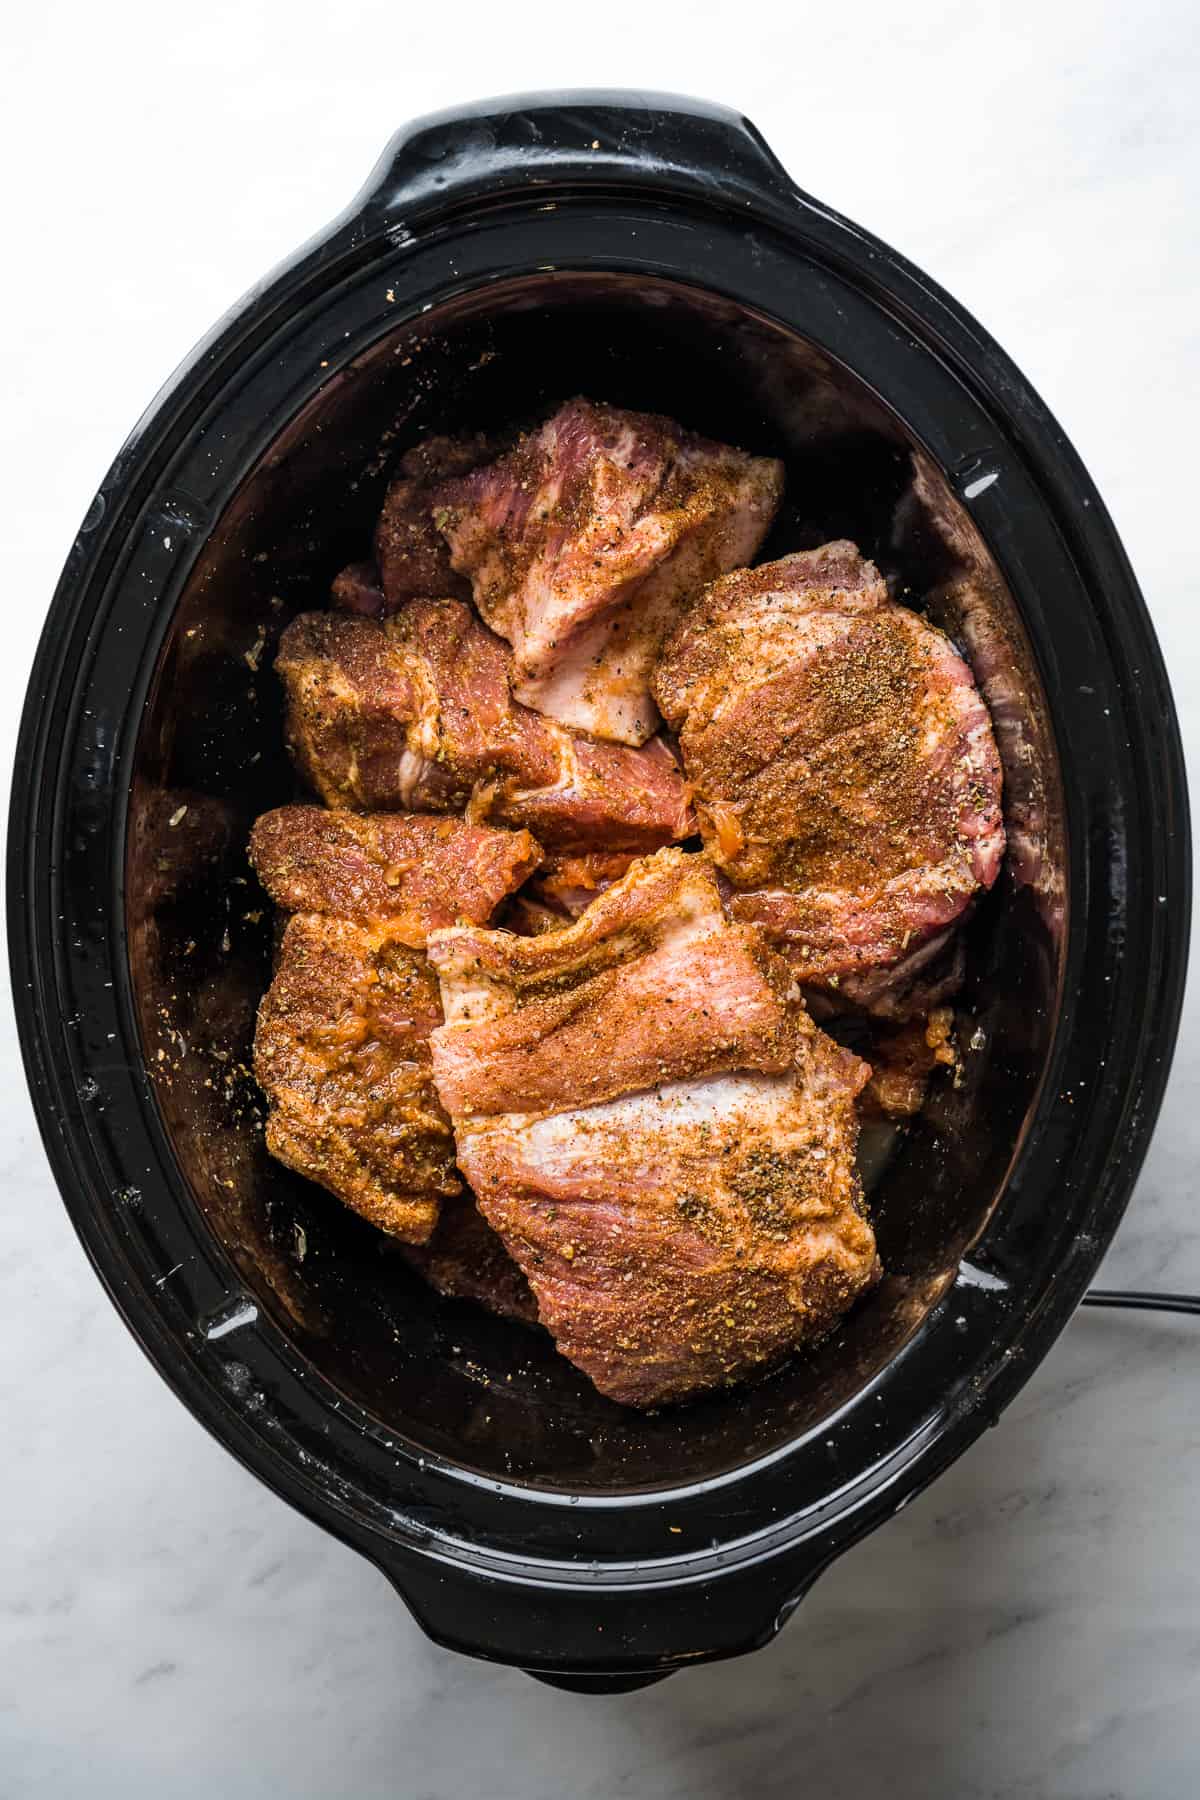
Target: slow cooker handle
x,y
576,138
602,1638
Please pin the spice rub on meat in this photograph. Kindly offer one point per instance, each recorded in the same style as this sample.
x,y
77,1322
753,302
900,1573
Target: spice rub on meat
x,y
342,1053
415,713
500,971
342,1045
411,558
412,870
660,1135
583,541
841,760
677,1238
651,984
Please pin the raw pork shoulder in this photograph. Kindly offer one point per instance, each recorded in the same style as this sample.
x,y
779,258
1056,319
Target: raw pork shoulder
x,y
412,870
584,540
342,1045
342,1054
841,760
411,557
660,1135
415,713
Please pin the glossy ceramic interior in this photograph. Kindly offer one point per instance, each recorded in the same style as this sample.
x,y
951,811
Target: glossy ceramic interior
x,y
451,1382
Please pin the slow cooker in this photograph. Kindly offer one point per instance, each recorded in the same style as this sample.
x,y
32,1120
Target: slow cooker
x,y
648,251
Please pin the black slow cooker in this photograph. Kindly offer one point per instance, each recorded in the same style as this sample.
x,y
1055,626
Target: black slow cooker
x,y
650,252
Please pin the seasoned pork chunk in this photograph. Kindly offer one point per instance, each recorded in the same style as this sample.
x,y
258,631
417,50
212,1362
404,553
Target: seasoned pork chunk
x,y
677,1238
841,759
660,1135
342,1046
413,559
411,870
415,714
651,984
342,1054
583,542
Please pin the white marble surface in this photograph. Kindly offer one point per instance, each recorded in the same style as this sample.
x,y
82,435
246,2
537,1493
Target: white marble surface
x,y
1031,1626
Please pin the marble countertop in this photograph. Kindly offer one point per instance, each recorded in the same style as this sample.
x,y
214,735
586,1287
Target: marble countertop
x,y
1031,1625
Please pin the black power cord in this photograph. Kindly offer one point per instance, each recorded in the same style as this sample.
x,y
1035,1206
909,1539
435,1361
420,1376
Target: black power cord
x,y
1179,1303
